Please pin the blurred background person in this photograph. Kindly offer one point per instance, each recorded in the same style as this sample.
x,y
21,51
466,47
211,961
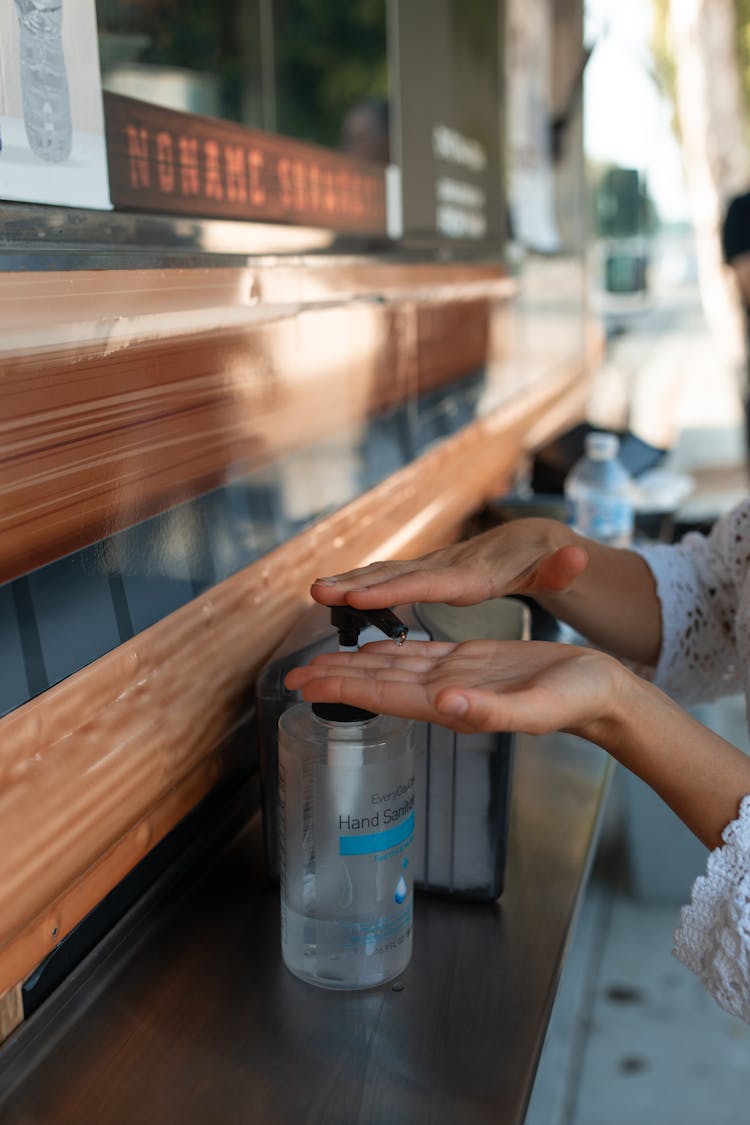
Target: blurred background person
x,y
735,243
365,130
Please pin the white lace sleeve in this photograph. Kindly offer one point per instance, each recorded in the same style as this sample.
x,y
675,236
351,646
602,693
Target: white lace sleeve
x,y
700,582
713,938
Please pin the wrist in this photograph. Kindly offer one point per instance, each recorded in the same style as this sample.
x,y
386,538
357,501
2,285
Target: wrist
x,y
698,774
631,715
619,695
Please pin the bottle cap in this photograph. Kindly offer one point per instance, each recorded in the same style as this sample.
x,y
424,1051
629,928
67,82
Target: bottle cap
x,y
349,621
602,446
341,713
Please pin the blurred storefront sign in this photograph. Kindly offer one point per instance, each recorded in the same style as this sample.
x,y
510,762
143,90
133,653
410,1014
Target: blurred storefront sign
x,y
164,160
448,129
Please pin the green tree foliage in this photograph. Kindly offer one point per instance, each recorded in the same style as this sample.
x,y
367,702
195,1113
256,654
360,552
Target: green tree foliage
x,y
664,64
329,56
664,71
743,41
197,35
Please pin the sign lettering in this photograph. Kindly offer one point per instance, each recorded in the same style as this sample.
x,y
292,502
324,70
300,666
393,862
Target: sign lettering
x,y
163,160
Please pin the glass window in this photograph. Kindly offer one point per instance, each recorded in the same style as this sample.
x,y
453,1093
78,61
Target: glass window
x,y
312,69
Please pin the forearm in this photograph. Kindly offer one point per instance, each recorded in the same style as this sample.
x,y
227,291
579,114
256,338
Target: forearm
x,y
613,603
699,775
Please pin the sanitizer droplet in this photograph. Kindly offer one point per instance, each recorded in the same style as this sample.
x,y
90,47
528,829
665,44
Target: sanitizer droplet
x,y
401,890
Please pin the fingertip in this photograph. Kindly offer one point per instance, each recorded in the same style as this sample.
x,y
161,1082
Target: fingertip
x,y
560,570
327,593
575,561
295,677
578,553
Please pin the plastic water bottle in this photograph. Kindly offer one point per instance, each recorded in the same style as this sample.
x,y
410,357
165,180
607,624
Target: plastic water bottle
x,y
599,492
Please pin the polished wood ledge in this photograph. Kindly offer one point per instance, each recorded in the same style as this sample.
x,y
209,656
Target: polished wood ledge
x,y
126,392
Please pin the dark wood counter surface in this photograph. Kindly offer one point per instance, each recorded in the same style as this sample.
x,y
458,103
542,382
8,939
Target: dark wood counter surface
x,y
190,1018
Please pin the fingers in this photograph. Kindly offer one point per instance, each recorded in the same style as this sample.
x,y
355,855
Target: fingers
x,y
448,575
485,710
333,590
464,710
388,673
416,650
415,658
414,586
465,574
406,699
430,681
453,585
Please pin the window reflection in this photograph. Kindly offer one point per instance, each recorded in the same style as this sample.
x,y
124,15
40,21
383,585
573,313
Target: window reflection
x,y
329,58
312,69
63,616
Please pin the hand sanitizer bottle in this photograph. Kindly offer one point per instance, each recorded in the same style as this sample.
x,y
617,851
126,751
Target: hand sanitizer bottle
x,y
346,782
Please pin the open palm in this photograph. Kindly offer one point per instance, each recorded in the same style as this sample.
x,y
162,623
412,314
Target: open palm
x,y
530,686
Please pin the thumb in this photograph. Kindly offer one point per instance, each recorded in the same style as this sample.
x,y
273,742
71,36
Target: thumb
x,y
473,710
559,570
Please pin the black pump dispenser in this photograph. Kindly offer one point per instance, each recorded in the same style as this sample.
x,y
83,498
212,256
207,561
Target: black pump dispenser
x,y
349,622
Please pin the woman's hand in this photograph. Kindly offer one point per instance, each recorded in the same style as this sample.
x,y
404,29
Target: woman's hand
x,y
475,686
538,688
522,557
606,593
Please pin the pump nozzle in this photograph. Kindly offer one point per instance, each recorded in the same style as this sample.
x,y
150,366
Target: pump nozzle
x,y
350,621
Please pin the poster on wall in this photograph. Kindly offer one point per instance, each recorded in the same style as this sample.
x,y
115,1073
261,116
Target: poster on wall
x,y
52,143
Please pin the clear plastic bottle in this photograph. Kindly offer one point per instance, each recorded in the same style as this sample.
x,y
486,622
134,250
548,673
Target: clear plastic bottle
x,y
346,804
599,492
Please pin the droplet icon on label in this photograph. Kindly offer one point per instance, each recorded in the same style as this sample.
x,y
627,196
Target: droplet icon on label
x,y
401,890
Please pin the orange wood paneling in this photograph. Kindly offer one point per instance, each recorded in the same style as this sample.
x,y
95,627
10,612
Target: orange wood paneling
x,y
60,916
125,395
113,748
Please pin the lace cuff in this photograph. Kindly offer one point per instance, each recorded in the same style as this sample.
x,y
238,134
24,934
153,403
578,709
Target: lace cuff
x,y
713,938
698,660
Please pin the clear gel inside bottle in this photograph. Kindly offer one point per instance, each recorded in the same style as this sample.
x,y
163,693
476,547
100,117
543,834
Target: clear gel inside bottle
x,y
347,825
